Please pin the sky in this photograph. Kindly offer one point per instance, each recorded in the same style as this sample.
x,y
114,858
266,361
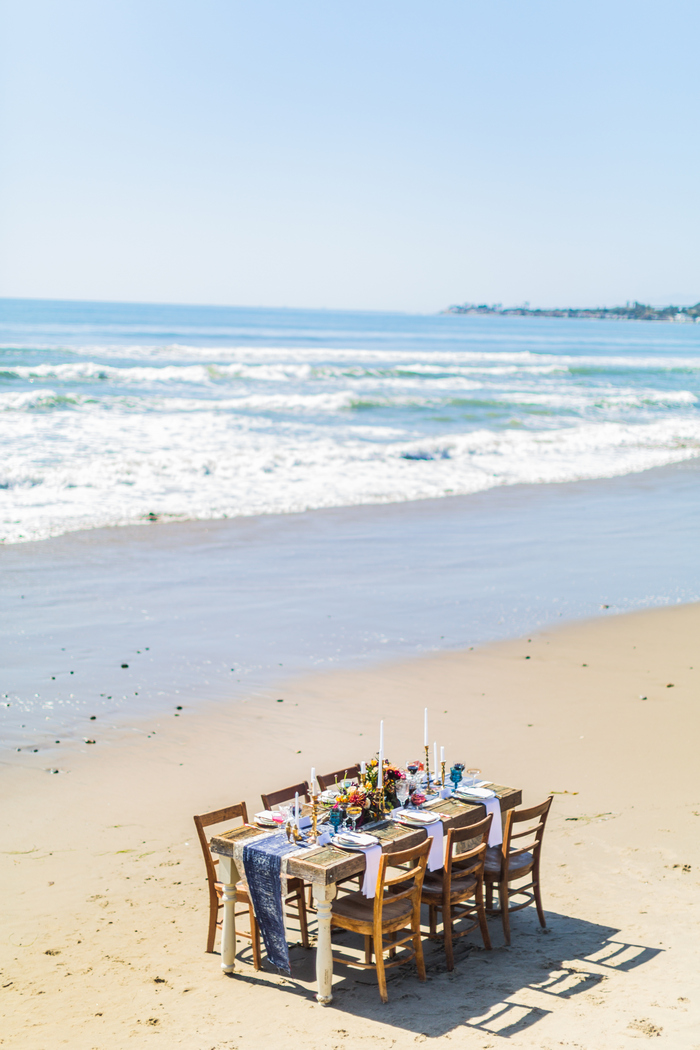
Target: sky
x,y
378,155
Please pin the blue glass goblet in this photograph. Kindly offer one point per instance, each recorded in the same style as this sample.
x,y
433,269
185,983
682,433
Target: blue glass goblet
x,y
335,819
456,775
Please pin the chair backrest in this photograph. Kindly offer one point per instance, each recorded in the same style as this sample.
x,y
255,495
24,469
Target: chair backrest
x,y
536,818
218,816
285,794
327,780
470,864
411,864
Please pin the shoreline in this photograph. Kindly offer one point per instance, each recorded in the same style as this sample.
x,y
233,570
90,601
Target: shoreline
x,y
206,610
102,861
691,462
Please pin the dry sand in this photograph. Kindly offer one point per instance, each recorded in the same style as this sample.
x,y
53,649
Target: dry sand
x,y
104,898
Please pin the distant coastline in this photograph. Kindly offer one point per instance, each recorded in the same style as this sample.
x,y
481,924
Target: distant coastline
x,y
629,312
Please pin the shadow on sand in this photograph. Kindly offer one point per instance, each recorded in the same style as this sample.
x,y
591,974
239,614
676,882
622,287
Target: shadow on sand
x,y
501,992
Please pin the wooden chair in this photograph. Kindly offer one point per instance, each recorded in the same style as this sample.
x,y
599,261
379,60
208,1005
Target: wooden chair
x,y
505,865
295,886
327,780
215,889
388,913
276,798
458,890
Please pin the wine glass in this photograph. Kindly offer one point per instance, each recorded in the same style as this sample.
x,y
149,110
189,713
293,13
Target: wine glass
x,y
473,776
335,819
403,790
354,811
456,774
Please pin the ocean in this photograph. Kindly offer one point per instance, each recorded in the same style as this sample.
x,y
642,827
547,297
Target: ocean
x,y
304,460
119,414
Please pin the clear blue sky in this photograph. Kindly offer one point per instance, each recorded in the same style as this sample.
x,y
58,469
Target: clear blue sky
x,y
375,154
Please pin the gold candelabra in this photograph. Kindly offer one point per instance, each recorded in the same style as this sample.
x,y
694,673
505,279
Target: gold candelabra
x,y
314,819
427,767
443,773
382,799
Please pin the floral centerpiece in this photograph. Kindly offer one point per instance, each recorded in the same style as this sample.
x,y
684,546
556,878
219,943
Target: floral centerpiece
x,y
355,795
390,776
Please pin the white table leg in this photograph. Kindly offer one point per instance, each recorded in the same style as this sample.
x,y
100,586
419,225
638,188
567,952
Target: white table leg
x,y
323,895
228,874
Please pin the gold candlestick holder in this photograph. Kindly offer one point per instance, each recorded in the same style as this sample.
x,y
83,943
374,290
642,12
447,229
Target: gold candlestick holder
x,y
314,819
427,766
443,773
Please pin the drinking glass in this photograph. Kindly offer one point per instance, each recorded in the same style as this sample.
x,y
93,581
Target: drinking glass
x,y
354,811
402,791
473,776
456,774
335,819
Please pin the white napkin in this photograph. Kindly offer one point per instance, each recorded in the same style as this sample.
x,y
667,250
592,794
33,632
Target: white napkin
x,y
373,855
436,857
493,806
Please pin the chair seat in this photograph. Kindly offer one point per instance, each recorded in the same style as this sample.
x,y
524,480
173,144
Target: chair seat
x,y
358,908
518,865
432,892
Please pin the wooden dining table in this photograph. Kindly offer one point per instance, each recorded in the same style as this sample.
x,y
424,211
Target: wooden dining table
x,y
325,866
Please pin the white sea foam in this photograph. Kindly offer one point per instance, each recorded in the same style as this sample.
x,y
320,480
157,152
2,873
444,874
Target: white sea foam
x,y
104,434
177,465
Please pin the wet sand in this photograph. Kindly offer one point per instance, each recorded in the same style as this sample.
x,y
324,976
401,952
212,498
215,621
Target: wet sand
x,y
203,611
105,905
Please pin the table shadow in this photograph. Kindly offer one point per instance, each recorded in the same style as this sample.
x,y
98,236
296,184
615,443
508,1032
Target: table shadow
x,y
501,993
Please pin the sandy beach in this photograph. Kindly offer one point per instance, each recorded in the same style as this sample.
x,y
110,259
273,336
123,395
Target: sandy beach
x,y
103,880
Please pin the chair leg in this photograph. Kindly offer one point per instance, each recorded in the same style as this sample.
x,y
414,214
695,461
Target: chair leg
x,y
213,916
432,913
368,949
418,944
538,899
447,932
392,950
489,896
381,974
255,938
481,913
503,900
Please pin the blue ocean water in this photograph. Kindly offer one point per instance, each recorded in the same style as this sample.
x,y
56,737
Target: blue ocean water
x,y
111,414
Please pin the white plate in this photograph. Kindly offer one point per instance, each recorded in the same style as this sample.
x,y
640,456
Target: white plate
x,y
475,794
359,841
416,820
266,819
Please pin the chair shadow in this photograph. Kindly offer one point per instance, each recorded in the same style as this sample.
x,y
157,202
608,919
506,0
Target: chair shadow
x,y
501,993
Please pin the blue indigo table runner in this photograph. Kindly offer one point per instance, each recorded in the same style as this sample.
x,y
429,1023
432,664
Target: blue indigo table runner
x,y
262,862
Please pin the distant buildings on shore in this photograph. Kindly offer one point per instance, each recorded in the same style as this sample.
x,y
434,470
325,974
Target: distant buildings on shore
x,y
629,312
